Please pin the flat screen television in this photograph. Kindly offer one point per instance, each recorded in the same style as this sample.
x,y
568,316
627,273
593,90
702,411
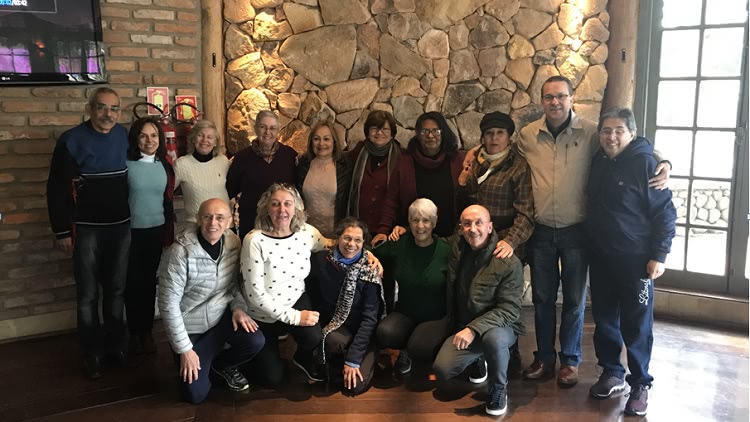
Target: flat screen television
x,y
51,42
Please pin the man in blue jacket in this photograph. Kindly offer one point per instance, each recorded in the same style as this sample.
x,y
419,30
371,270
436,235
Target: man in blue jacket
x,y
630,227
87,198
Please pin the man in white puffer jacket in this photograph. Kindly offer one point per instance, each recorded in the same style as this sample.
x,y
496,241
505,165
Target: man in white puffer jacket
x,y
202,307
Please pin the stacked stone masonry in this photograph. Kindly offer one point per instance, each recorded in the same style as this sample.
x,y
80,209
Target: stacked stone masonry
x,y
148,43
339,59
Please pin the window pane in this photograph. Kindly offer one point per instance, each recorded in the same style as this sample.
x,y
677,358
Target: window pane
x,y
707,251
681,13
722,52
679,188
676,103
676,257
726,11
709,204
717,103
679,53
714,154
677,147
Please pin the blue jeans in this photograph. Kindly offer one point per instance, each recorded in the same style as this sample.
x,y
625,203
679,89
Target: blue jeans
x,y
622,301
100,257
209,347
494,345
555,256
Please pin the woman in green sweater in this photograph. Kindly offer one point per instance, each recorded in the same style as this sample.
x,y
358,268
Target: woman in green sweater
x,y
417,327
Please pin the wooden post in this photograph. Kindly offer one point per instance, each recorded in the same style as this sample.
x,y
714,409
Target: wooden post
x,y
212,63
623,37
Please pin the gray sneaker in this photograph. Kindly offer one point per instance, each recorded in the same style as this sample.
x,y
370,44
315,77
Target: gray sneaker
x,y
638,401
607,385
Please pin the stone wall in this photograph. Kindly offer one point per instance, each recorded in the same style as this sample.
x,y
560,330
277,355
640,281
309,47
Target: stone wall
x,y
312,59
709,207
148,43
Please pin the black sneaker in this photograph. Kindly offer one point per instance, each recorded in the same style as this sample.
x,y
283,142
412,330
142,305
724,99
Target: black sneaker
x,y
497,402
308,366
92,367
607,385
478,372
403,363
234,378
638,401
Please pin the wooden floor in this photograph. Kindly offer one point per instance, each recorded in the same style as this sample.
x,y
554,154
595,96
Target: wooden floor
x,y
700,375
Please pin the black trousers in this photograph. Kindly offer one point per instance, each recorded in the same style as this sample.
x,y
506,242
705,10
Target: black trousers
x,y
267,367
337,345
140,289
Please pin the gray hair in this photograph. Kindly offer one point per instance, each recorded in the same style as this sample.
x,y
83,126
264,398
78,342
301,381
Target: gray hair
x,y
423,207
197,128
623,113
263,220
265,113
99,91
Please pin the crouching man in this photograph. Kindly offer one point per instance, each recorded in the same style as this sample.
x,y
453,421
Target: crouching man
x,y
202,307
484,309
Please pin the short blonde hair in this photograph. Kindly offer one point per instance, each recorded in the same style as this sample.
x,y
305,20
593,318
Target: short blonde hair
x,y
263,220
197,128
423,207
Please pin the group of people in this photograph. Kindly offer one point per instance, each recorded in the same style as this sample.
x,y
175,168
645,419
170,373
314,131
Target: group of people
x,y
420,250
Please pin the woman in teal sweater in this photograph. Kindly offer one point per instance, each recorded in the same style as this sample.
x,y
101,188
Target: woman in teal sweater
x,y
419,259
150,195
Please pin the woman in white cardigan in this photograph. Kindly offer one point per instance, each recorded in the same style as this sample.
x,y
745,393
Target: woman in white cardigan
x,y
202,173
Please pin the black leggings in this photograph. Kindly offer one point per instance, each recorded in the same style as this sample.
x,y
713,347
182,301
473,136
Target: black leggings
x,y
267,367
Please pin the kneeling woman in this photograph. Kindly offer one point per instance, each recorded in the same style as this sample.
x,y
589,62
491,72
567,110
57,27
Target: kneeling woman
x,y
349,297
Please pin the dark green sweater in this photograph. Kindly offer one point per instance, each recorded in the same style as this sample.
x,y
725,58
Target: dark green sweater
x,y
420,273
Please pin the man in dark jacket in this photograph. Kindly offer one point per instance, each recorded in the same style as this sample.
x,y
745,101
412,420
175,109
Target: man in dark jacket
x,y
484,308
87,197
630,229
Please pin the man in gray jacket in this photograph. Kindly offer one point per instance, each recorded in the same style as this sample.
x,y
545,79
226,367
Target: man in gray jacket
x,y
484,308
202,307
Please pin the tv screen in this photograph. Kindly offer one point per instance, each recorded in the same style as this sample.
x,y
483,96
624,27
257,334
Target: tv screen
x,y
51,42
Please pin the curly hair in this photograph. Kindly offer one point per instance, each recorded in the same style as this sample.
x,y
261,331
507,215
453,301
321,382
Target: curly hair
x,y
263,220
448,139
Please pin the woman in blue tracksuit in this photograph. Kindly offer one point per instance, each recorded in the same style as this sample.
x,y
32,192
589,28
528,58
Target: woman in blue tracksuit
x,y
630,228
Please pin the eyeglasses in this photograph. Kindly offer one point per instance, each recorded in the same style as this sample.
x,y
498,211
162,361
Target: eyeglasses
x,y
425,132
618,132
104,107
549,97
383,130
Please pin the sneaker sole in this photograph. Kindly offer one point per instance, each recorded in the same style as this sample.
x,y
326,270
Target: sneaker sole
x,y
479,380
496,412
229,386
614,390
405,371
309,376
631,412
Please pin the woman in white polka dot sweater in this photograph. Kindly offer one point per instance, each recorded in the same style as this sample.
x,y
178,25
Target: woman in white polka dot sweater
x,y
275,262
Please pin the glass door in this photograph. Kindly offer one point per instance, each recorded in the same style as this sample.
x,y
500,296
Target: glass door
x,y
695,110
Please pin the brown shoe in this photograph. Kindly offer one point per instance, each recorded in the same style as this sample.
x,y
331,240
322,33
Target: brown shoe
x,y
538,370
568,376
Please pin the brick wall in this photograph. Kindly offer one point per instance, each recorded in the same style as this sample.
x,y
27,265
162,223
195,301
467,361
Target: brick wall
x,y
148,43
